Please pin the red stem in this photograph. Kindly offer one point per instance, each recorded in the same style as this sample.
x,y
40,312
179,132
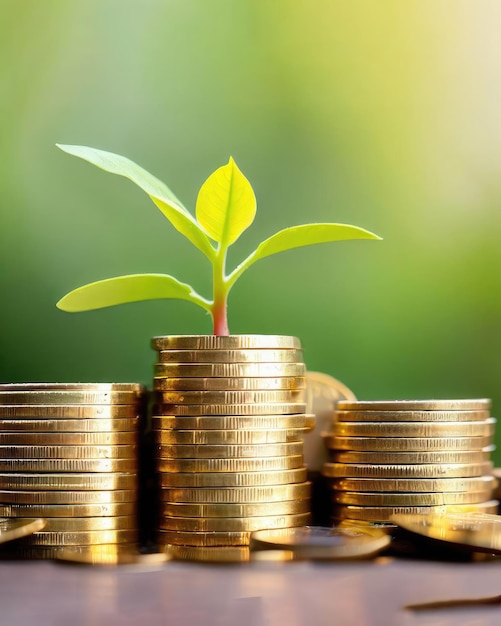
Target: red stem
x,y
220,318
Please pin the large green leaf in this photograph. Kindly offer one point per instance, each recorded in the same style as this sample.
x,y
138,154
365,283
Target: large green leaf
x,y
226,204
158,191
130,288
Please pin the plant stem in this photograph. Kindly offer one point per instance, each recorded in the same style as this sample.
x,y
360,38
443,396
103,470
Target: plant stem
x,y
220,293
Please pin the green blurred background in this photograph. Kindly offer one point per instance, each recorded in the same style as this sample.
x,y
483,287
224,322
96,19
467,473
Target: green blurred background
x,y
381,114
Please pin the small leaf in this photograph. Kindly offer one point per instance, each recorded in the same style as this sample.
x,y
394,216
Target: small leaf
x,y
125,289
161,195
226,204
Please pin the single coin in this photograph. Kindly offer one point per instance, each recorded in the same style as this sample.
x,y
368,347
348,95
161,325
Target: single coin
x,y
414,429
210,539
284,507
477,404
411,416
70,510
407,444
71,411
238,495
227,384
411,485
113,496
20,550
70,425
258,464
76,524
320,542
202,451
67,452
410,499
427,470
268,408
229,397
233,370
233,479
454,456
136,388
119,554
68,465
235,437
69,397
67,481
251,355
225,342
387,513
296,422
479,532
235,524
224,554
90,537
67,439
15,528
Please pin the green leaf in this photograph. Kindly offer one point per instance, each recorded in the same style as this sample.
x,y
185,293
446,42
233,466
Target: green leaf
x,y
161,195
131,288
226,204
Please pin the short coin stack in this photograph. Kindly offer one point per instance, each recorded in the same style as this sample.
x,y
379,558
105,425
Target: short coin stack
x,y
69,454
228,427
410,457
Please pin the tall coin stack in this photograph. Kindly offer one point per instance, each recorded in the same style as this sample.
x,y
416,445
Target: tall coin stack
x,y
228,428
69,454
410,457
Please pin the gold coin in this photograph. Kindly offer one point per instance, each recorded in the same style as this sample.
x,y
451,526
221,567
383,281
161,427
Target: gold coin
x,y
210,539
136,388
228,384
223,554
235,437
70,510
68,465
184,509
425,470
84,524
20,550
226,397
202,451
238,495
14,529
234,479
408,444
236,524
477,404
64,482
119,554
70,411
268,408
90,537
67,439
68,452
411,416
263,464
70,425
387,513
413,429
230,356
228,342
233,370
414,484
438,456
320,542
233,422
410,499
72,497
69,397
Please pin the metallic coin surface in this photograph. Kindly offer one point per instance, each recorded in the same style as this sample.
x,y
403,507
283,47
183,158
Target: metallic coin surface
x,y
233,422
268,408
11,529
22,550
70,496
410,499
410,485
414,429
90,537
284,507
68,465
410,416
477,404
239,495
387,513
70,510
407,444
321,542
229,397
208,539
225,451
69,397
109,555
252,355
235,524
438,456
223,554
84,524
232,437
70,411
426,470
228,384
69,425
259,464
67,452
136,388
67,439
233,479
229,342
64,482
233,370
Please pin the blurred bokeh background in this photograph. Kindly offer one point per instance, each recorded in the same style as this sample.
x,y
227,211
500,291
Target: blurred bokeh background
x,y
381,114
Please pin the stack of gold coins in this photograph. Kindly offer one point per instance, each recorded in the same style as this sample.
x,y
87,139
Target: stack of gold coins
x,y
228,427
410,457
69,455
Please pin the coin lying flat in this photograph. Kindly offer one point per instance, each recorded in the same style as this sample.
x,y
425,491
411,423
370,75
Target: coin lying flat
x,y
69,425
91,537
234,437
222,342
67,439
84,524
238,524
426,470
480,404
411,416
11,495
203,451
323,543
387,513
414,429
64,482
223,510
249,464
112,554
64,411
202,539
11,529
227,384
413,484
96,387
70,510
68,397
233,370
407,444
397,458
79,452
231,356
239,495
270,408
410,499
68,465
233,479
229,397
222,554
234,422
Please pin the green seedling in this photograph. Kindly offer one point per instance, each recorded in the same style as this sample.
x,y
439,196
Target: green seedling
x,y
225,208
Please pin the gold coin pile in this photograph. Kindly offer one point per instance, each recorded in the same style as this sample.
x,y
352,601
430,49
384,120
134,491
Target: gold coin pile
x,y
228,424
68,454
410,457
